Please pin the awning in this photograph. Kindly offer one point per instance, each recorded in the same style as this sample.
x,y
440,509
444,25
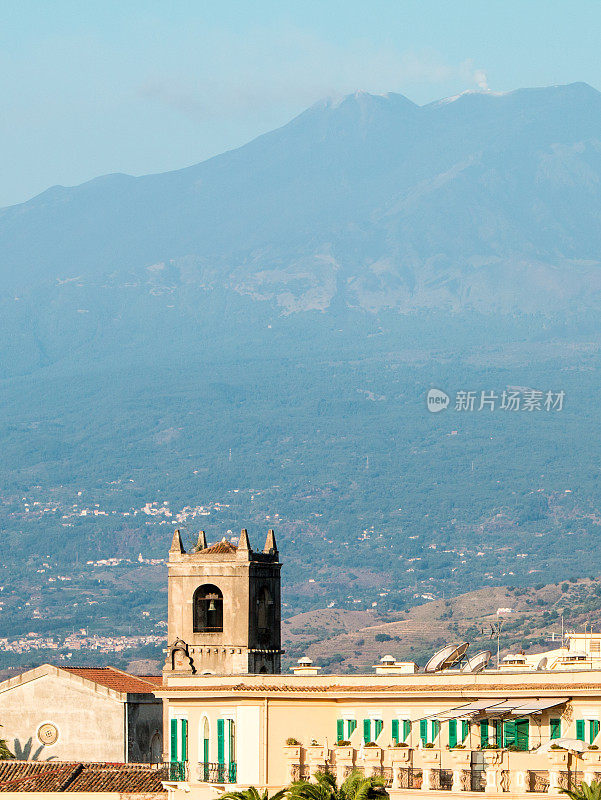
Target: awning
x,y
501,707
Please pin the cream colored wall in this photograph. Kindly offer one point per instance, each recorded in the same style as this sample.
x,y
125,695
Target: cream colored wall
x,y
91,727
312,714
249,726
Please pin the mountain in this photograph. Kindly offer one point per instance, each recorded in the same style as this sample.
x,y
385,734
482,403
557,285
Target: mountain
x,y
221,347
486,201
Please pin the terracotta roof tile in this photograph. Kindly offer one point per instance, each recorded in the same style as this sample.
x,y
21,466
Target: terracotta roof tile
x,y
384,688
221,547
35,776
98,778
66,776
115,679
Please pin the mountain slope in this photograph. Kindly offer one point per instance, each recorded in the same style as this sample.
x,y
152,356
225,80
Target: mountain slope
x,y
482,200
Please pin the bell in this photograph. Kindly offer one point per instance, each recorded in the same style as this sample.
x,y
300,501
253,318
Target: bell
x,y
212,605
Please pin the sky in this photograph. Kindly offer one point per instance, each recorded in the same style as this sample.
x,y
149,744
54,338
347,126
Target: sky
x,y
138,86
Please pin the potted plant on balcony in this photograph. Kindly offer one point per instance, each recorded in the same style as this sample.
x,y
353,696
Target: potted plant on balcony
x,y
344,751
558,757
292,749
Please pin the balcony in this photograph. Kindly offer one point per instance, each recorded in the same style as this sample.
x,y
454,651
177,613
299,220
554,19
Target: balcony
x,y
177,770
490,770
217,773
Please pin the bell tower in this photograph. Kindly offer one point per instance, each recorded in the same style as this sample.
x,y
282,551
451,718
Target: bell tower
x,y
224,608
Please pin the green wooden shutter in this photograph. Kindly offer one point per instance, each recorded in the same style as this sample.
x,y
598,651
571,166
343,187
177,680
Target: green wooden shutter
x,y
352,727
231,743
378,725
406,729
452,732
593,730
580,729
184,740
423,730
173,747
339,730
555,728
221,741
395,731
499,733
366,730
484,733
509,732
522,734
465,730
435,728
205,751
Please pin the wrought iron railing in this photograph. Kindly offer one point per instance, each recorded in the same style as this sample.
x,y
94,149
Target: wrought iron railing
x,y
381,772
570,780
538,781
441,779
300,772
177,770
217,773
409,778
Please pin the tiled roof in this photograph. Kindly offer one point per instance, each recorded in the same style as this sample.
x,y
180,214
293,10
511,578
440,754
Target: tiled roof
x,y
221,547
470,689
115,679
122,778
67,776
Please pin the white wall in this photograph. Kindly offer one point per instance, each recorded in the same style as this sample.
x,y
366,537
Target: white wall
x,y
248,741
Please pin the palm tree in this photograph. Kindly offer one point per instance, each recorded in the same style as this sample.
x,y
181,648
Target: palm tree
x,y
252,794
5,753
585,791
355,787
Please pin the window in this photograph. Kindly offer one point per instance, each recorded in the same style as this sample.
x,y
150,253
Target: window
x,y
372,728
226,750
465,730
178,746
522,734
593,730
429,730
555,728
401,730
265,609
345,729
208,609
484,733
205,741
452,733
580,729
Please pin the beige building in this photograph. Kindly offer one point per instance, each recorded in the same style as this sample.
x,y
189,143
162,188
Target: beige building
x,y
511,731
494,731
81,714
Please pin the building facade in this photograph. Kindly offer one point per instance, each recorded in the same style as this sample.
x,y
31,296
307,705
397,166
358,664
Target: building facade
x,y
230,719
494,732
82,714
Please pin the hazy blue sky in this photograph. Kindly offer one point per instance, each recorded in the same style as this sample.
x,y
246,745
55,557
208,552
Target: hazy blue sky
x,y
143,86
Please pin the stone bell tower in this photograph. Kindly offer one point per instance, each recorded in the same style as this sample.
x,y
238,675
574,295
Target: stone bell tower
x,y
224,608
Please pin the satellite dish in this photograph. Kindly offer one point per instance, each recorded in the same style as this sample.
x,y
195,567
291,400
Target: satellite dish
x,y
477,662
542,664
446,657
